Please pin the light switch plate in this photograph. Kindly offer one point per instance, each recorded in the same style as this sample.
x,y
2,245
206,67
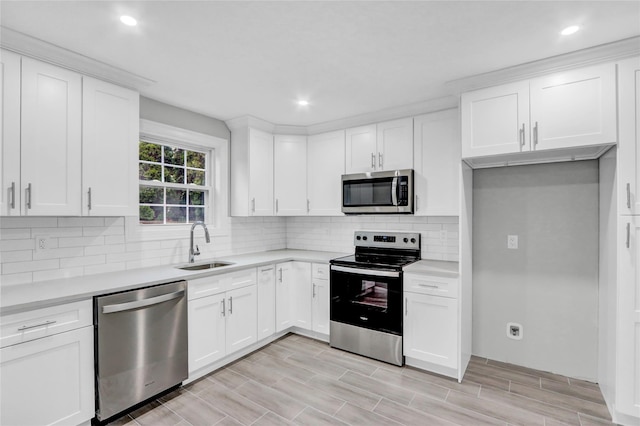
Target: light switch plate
x,y
512,242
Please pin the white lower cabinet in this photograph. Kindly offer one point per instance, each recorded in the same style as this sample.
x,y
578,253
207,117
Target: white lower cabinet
x,y
48,380
284,308
222,323
266,301
431,325
301,295
320,298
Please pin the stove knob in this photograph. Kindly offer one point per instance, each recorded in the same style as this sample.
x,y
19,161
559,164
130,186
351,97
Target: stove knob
x,y
406,240
358,238
364,238
413,241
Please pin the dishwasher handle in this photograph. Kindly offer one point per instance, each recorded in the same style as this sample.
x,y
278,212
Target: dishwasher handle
x,y
119,307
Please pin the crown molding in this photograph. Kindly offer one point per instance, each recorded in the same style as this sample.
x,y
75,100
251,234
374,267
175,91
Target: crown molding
x,y
38,49
250,121
608,52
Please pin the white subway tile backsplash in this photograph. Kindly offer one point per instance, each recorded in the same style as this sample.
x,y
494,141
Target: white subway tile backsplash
x,y
90,245
64,222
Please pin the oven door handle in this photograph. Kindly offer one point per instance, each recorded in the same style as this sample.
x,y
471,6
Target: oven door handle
x,y
370,272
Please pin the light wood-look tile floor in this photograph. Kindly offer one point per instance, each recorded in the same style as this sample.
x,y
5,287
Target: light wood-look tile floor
x,y
296,380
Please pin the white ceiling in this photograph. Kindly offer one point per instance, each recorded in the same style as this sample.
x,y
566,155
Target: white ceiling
x,y
236,58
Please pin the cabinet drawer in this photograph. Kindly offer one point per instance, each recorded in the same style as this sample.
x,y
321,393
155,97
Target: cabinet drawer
x,y
320,270
37,323
428,284
207,286
242,278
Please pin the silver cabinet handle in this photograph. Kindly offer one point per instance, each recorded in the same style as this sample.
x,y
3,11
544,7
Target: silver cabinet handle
x,y
308,205
406,306
253,205
276,205
266,270
89,198
628,234
127,306
535,134
373,160
628,195
224,309
280,274
522,135
230,305
43,324
428,285
13,195
380,160
313,294
416,206
29,196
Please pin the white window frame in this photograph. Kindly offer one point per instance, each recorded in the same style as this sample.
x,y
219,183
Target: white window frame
x,y
217,219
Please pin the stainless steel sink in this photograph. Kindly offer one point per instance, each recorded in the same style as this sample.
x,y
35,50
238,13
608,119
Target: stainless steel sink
x,y
202,266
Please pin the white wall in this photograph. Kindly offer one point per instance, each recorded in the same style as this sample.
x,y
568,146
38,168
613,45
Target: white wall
x,y
550,284
336,233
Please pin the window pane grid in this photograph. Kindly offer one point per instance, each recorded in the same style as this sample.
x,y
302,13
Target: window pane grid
x,y
173,184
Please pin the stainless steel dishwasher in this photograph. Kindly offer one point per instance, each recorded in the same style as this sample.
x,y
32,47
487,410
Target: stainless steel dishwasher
x,y
140,345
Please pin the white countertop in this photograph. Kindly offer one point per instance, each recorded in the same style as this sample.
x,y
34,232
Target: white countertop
x,y
439,268
46,293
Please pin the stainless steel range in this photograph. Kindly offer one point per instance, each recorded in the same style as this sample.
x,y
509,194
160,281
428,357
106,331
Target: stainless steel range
x,y
366,294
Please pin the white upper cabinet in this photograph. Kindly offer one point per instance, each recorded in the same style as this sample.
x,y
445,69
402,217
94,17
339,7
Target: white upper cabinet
x,y
110,132
495,120
574,108
629,144
51,144
251,173
361,150
565,110
10,134
395,144
325,167
437,164
290,175
385,146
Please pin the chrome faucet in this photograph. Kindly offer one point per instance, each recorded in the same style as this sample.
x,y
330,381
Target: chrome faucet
x,y
193,253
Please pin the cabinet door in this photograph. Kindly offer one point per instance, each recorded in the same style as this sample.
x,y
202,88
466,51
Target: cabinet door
x,y
574,108
48,381
361,149
301,294
431,329
284,283
495,120
629,141
241,318
260,173
325,167
110,134
10,195
628,338
266,301
437,164
290,171
395,145
320,306
207,327
51,170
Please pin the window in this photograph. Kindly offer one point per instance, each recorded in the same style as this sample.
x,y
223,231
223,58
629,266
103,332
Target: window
x,y
184,177
173,184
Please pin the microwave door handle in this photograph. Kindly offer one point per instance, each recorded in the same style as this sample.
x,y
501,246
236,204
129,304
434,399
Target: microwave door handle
x,y
394,191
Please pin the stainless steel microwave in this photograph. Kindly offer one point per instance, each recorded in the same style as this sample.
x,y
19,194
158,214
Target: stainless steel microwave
x,y
378,192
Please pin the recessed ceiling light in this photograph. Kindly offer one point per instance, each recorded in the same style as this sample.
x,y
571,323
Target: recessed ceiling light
x,y
302,102
570,30
128,20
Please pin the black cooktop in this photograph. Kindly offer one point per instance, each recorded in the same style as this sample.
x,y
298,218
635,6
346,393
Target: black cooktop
x,y
371,261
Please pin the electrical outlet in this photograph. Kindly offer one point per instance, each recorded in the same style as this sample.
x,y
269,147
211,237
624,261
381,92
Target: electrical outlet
x,y
514,331
512,242
42,243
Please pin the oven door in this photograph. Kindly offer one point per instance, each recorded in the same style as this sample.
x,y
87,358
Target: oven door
x,y
368,298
